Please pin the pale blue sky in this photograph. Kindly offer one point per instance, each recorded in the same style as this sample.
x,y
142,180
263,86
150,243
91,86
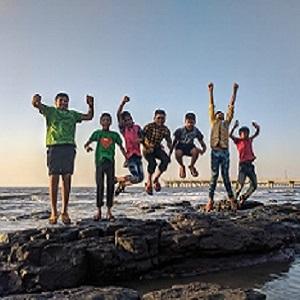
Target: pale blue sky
x,y
162,54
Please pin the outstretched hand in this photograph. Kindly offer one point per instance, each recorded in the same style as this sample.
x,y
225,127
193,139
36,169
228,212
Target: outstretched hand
x,y
236,124
90,100
36,100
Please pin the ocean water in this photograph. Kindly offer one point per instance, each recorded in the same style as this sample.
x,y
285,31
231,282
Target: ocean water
x,y
23,208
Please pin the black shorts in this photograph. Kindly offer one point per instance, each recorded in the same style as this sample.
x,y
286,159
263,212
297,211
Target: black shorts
x,y
185,148
60,159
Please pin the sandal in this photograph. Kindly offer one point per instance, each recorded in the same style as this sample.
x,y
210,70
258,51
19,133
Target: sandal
x,y
193,171
157,186
65,218
242,201
149,189
182,173
120,189
97,217
53,219
111,218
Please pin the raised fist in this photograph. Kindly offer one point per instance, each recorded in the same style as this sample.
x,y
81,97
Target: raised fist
x,y
90,100
235,86
126,99
210,86
36,100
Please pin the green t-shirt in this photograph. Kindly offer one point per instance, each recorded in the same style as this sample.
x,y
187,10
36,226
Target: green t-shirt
x,y
61,125
106,141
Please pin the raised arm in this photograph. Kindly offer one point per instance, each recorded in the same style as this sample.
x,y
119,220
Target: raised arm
x,y
235,126
90,114
121,107
211,106
230,112
256,133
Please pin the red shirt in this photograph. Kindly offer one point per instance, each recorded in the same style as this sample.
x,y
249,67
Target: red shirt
x,y
244,147
131,136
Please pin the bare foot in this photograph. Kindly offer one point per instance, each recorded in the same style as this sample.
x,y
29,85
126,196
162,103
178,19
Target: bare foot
x,y
193,171
182,173
209,206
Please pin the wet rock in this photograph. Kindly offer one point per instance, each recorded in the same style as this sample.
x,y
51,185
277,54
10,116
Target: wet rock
x,y
203,291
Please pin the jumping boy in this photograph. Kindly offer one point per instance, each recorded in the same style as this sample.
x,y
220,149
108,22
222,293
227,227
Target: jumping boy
x,y
105,162
219,146
154,133
60,141
184,144
132,134
246,158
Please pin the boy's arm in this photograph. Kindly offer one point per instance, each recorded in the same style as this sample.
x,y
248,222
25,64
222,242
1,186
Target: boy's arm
x,y
203,145
123,150
235,126
168,139
257,127
37,103
121,107
90,114
230,112
87,146
211,106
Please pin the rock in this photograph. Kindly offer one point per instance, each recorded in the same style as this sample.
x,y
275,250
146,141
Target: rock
x,y
82,293
203,291
102,253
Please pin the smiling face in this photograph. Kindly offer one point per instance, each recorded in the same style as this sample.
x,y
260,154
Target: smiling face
x,y
62,102
127,120
220,115
160,119
189,124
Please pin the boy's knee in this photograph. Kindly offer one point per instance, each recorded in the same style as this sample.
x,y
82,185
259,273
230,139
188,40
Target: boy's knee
x,y
178,153
195,151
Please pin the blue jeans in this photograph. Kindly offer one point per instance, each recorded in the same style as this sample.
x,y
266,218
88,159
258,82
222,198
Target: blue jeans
x,y
246,169
135,167
220,158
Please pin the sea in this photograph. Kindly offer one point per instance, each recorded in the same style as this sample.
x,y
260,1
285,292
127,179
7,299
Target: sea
x,y
24,208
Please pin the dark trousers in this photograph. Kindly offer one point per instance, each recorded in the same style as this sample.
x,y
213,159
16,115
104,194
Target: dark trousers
x,y
220,158
246,169
107,168
160,154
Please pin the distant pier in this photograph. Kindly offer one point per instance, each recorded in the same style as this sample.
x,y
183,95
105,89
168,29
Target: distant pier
x,y
205,183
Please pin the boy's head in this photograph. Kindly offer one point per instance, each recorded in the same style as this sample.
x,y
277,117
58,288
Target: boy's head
x,y
219,115
127,119
62,101
244,132
105,121
190,120
159,117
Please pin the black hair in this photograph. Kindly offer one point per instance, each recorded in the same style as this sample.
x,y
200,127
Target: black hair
x,y
61,95
244,129
105,114
159,112
125,114
190,116
219,112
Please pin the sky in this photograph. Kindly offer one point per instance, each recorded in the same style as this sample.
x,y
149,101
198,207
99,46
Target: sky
x,y
160,53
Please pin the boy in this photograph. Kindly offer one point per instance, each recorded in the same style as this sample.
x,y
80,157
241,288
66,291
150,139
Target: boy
x,y
60,141
154,133
219,146
105,162
246,158
184,144
132,134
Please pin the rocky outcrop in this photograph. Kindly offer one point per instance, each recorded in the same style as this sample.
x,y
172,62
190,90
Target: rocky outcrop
x,y
103,253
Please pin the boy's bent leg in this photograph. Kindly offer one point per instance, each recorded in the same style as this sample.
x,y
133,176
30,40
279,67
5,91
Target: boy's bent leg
x,y
240,182
195,154
53,190
179,156
150,157
164,161
253,183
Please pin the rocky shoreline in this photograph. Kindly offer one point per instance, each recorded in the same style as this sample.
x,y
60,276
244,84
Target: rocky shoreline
x,y
82,261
